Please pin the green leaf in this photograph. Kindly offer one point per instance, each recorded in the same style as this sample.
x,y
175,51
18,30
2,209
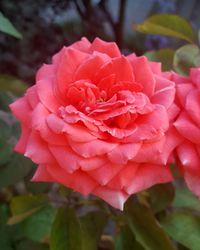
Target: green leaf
x,y
168,25
5,144
183,227
31,245
186,57
185,198
37,227
66,231
7,27
125,240
92,225
15,170
165,56
25,205
146,228
5,100
5,239
161,196
12,84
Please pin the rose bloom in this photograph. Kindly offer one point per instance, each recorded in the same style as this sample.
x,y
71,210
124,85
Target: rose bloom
x,y
188,126
98,122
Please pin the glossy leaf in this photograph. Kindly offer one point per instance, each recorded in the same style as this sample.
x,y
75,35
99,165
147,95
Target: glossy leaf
x,y
66,231
25,205
146,228
165,56
92,225
7,27
125,240
167,25
184,227
161,196
185,198
37,227
186,57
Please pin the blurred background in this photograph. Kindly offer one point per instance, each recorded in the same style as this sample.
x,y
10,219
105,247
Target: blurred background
x,y
47,25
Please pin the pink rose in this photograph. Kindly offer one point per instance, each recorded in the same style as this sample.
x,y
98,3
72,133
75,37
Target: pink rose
x,y
97,121
188,126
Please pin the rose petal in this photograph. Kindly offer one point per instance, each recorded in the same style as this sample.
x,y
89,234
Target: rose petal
x,y
109,48
20,147
144,75
45,91
188,156
92,148
123,153
65,158
22,110
187,128
112,197
78,180
37,150
192,105
148,175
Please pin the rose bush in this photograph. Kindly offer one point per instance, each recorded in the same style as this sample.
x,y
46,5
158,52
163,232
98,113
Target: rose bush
x,y
99,122
188,126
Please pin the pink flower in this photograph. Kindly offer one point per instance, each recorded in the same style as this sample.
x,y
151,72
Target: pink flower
x,y
188,126
98,122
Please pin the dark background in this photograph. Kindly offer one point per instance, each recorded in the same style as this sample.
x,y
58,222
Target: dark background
x,y
47,25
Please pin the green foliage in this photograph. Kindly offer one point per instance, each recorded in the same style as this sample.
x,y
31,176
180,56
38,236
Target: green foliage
x,y
165,56
146,228
12,84
168,25
161,196
7,27
186,57
125,240
184,227
66,231
92,225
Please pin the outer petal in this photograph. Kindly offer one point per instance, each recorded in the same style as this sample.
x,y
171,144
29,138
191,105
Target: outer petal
x,y
22,110
65,158
109,48
147,176
187,128
37,150
192,105
144,75
21,145
189,157
79,181
112,197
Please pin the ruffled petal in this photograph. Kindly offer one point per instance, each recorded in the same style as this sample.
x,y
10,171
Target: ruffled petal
x,y
92,148
123,153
